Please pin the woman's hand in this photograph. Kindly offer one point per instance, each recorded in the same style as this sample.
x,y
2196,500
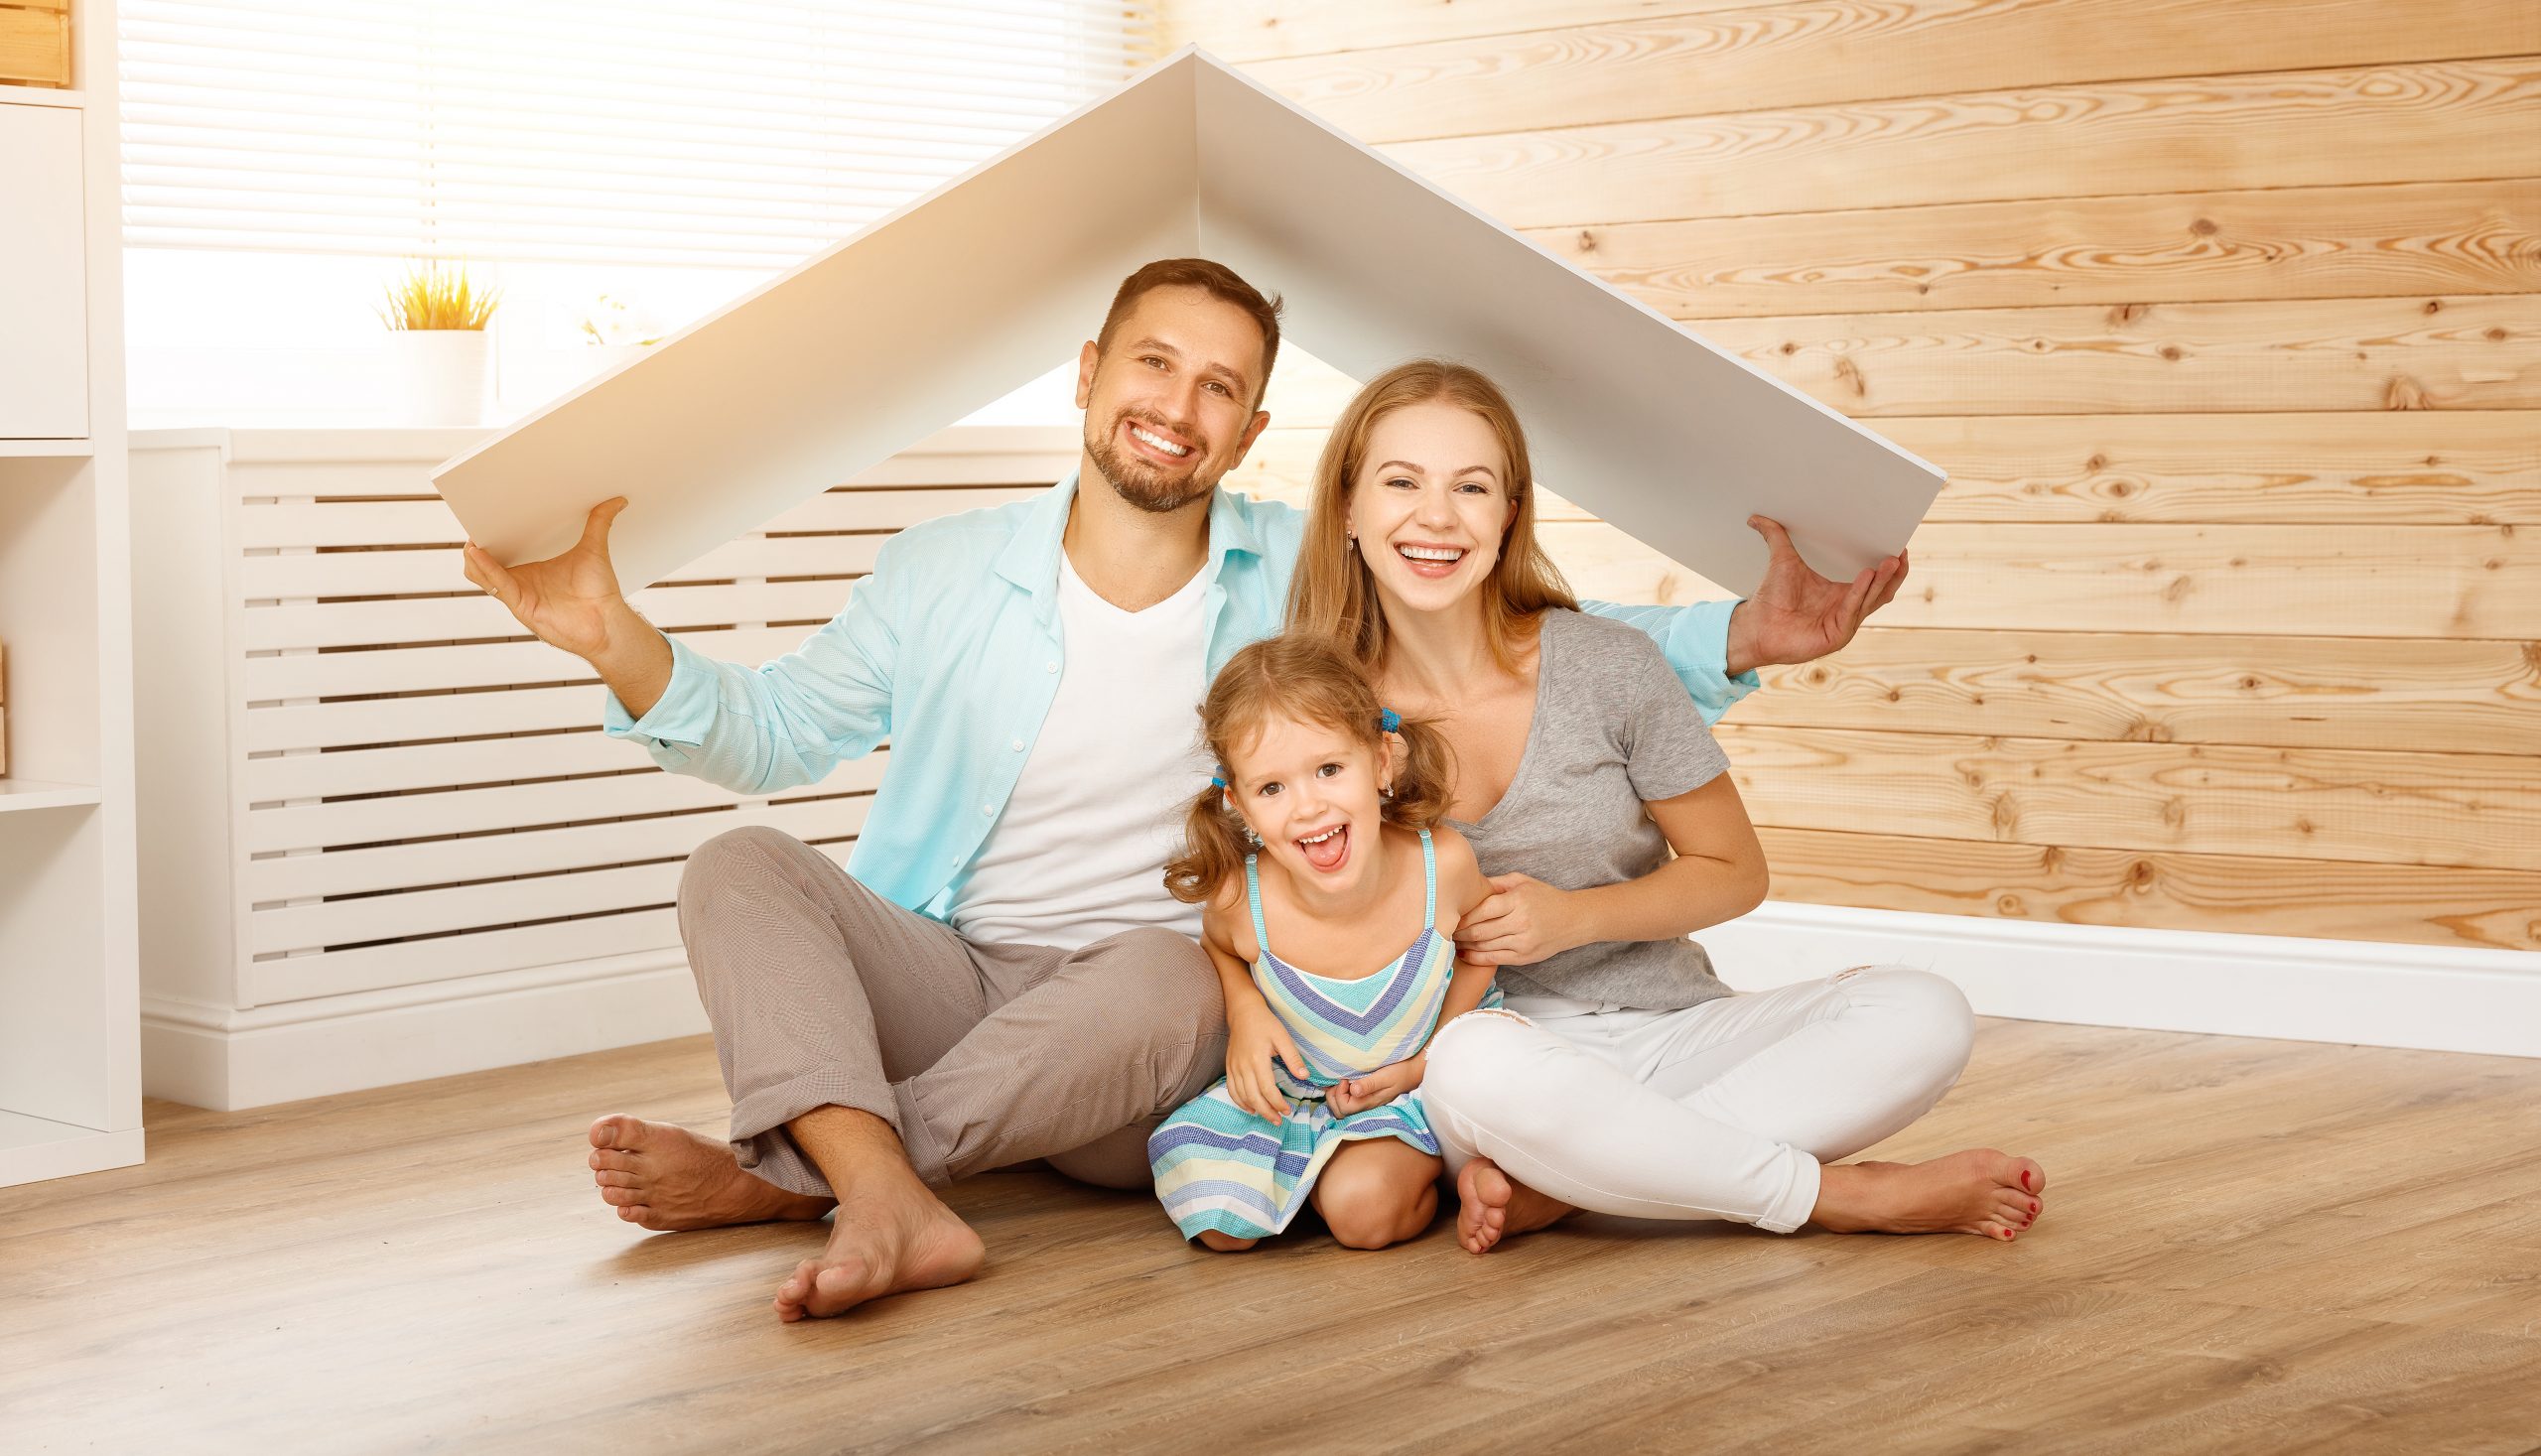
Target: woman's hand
x,y
1254,1037
1382,1086
1523,922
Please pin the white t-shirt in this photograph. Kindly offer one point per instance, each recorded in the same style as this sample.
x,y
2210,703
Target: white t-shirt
x,y
1079,852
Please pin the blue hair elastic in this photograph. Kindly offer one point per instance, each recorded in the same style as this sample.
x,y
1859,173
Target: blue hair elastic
x,y
1389,719
1216,782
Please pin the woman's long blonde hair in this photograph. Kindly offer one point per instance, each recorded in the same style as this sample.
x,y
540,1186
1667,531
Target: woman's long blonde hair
x,y
1333,594
1308,679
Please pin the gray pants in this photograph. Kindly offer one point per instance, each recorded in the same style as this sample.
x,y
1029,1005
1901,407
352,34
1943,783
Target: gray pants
x,y
822,992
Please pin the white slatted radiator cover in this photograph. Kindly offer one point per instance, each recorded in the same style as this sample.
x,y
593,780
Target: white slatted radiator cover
x,y
420,792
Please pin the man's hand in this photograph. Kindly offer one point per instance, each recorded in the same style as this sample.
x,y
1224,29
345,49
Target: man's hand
x,y
1524,921
1382,1086
569,601
572,602
1798,615
1252,1039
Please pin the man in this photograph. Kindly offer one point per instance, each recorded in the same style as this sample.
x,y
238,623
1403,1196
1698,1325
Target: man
x,y
1001,977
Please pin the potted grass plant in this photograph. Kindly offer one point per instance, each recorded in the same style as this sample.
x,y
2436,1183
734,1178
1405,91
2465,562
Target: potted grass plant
x,y
436,318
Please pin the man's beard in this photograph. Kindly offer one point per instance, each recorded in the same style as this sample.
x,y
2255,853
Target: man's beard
x,y
1138,482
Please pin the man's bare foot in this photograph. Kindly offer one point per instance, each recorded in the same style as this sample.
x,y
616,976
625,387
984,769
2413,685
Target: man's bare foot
x,y
666,1177
1993,1195
892,1236
1491,1206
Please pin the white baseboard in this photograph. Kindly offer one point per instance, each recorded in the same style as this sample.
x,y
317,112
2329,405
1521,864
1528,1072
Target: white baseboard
x,y
2432,998
209,1057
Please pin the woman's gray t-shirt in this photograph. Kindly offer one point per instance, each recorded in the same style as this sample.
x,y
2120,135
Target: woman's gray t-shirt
x,y
1612,730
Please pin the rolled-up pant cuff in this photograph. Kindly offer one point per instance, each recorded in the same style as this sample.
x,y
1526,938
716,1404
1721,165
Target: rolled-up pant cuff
x,y
762,1146
1798,1201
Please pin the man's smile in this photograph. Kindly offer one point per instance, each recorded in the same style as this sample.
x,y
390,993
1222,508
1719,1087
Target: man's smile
x,y
1156,443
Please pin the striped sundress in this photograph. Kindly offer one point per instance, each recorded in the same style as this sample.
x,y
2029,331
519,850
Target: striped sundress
x,y
1219,1167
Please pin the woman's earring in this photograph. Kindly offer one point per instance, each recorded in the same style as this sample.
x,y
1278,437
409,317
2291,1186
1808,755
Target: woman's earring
x,y
1251,837
1385,791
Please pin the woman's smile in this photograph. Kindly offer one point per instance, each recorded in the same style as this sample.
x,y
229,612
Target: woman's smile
x,y
1430,560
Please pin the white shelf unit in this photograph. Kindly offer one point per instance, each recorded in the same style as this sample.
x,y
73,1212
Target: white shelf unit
x,y
384,838
70,1050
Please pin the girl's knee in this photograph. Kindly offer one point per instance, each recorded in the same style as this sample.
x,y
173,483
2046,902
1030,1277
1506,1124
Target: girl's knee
x,y
1371,1217
1380,1196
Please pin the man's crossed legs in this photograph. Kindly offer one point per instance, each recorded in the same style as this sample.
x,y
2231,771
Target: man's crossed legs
x,y
873,1054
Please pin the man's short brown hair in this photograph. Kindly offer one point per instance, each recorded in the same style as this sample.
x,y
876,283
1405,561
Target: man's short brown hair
x,y
1219,282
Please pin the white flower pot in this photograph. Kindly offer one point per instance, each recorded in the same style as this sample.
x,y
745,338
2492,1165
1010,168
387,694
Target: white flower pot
x,y
439,375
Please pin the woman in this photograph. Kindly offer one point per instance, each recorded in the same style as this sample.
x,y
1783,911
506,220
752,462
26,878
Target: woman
x,y
1629,1080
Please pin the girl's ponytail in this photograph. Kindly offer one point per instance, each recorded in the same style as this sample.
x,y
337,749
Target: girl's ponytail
x,y
1427,776
1212,849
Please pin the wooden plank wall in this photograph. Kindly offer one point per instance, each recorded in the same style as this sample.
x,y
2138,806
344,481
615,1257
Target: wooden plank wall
x,y
2224,316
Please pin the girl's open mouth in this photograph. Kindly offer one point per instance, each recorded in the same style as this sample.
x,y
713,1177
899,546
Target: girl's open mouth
x,y
1328,851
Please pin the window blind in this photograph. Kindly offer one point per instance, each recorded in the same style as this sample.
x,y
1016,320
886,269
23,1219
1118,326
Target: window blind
x,y
715,133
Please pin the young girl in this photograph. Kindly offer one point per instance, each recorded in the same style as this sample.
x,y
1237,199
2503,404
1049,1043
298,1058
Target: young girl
x,y
1323,823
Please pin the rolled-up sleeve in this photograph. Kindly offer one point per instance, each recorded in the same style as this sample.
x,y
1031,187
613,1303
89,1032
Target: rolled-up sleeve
x,y
1695,641
784,724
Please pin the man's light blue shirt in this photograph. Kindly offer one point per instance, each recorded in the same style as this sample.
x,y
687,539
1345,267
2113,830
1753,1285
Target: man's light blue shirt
x,y
957,630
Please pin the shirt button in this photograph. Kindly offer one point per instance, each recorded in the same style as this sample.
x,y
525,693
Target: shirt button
x,y
1051,667
988,807
1018,745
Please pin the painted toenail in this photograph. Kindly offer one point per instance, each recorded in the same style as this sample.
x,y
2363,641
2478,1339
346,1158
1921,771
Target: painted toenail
x,y
2033,1208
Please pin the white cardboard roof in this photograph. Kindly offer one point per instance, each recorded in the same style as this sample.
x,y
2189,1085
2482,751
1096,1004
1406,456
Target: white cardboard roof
x,y
976,289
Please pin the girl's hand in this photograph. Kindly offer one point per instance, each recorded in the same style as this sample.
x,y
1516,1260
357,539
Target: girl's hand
x,y
1524,922
1254,1037
1382,1086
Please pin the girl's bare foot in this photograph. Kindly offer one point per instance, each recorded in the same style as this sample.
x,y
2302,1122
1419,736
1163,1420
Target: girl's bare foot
x,y
666,1177
1491,1206
1992,1194
893,1235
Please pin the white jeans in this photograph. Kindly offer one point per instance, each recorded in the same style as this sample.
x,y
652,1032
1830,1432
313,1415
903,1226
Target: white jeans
x,y
1720,1111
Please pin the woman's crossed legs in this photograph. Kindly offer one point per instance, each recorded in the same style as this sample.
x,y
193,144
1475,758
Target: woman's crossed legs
x,y
1729,1109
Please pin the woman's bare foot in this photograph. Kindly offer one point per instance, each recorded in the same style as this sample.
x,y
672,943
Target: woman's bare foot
x,y
892,1236
1981,1191
1491,1206
666,1177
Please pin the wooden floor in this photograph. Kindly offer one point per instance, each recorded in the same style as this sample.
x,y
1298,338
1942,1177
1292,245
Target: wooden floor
x,y
2250,1247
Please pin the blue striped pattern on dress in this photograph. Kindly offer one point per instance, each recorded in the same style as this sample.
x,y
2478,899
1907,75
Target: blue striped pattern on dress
x,y
1219,1167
